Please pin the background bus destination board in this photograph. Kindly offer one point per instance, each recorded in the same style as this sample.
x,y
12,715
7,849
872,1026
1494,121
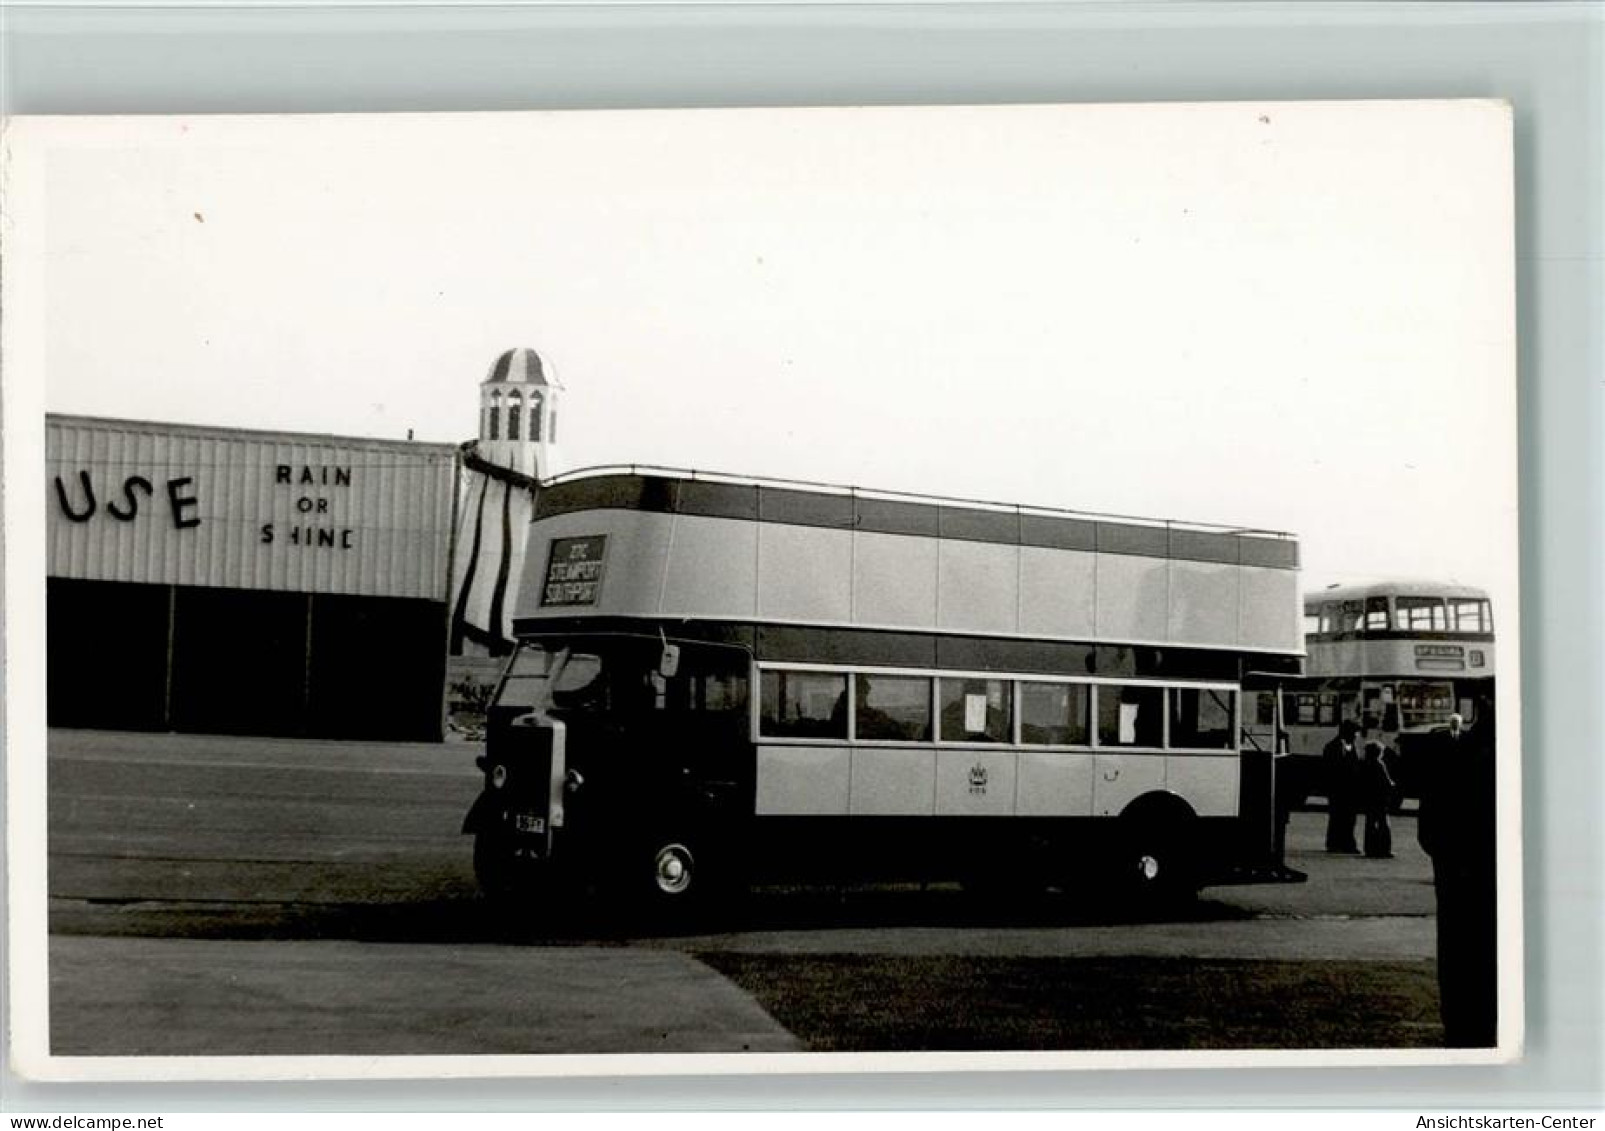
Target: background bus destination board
x,y
574,571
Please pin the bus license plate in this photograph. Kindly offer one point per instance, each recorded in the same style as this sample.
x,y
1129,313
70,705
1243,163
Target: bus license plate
x,y
528,823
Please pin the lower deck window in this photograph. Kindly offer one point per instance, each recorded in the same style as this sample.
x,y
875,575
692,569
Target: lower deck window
x,y
1200,718
804,705
889,708
1054,714
1130,715
976,710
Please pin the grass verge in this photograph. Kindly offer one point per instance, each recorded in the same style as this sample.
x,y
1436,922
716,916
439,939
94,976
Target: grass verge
x,y
868,1003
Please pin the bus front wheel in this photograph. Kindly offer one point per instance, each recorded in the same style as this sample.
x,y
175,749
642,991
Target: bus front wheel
x,y
672,881
505,873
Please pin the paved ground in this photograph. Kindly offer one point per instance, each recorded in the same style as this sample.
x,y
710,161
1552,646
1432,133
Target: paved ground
x,y
252,895
182,997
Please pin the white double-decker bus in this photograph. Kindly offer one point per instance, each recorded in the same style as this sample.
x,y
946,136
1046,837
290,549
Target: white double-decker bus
x,y
1395,657
720,681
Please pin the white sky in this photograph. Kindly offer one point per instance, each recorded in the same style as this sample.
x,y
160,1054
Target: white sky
x,y
1294,316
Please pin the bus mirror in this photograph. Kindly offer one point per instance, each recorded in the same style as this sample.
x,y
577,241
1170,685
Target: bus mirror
x,y
669,662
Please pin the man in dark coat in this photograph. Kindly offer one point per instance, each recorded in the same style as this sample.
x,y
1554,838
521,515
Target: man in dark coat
x,y
1340,760
1456,827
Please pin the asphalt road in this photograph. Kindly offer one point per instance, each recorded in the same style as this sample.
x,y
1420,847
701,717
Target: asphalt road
x,y
260,896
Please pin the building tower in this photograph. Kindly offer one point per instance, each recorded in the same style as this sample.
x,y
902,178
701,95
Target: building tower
x,y
518,414
501,477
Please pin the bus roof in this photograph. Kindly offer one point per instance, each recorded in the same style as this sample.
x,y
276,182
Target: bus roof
x,y
1393,587
788,488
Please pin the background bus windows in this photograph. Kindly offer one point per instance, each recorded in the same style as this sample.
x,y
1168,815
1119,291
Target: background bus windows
x,y
1376,614
976,710
1342,616
1470,615
1201,718
889,708
803,705
1130,715
1326,713
1055,714
1425,704
1301,708
1421,614
1264,708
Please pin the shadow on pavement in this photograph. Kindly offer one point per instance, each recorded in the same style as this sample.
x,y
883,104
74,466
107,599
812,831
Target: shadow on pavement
x,y
591,920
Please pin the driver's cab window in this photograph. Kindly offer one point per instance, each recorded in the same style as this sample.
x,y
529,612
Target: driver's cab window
x,y
541,678
701,685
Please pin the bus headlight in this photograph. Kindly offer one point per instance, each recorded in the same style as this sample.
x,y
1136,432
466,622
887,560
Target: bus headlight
x,y
498,776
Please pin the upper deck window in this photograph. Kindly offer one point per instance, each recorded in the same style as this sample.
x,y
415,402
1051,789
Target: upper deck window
x,y
1342,616
1470,614
1421,614
1376,614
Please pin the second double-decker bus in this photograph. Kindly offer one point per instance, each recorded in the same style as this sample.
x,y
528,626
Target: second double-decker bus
x,y
720,681
1397,658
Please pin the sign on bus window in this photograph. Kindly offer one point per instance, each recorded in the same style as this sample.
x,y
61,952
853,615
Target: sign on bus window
x,y
976,710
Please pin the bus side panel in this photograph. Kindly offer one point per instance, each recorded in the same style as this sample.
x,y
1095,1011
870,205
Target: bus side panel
x,y
1210,783
1204,600
802,781
1054,784
1271,610
1121,778
1076,853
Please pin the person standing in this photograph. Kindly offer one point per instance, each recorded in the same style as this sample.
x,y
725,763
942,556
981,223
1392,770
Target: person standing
x,y
1341,761
1376,797
1456,828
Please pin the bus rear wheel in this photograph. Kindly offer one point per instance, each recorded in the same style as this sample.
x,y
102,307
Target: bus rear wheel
x,y
1154,868
675,872
672,883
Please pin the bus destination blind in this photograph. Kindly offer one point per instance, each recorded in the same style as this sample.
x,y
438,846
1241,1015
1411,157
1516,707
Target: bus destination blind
x,y
574,570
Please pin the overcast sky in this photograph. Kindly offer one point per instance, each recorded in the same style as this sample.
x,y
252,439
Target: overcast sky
x,y
1296,317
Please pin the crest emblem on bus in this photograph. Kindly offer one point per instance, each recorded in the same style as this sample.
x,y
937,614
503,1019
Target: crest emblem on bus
x,y
978,778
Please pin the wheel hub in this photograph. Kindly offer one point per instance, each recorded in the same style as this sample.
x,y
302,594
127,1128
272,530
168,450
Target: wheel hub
x,y
673,869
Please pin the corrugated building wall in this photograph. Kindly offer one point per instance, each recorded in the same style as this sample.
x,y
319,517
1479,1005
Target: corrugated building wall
x,y
221,580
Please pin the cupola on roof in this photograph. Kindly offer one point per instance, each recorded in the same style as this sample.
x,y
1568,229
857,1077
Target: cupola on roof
x,y
517,367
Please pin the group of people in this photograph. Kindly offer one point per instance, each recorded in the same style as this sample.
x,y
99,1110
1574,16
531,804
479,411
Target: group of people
x,y
1359,780
1455,826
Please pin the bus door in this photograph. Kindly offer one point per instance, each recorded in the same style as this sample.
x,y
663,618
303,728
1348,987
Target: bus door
x,y
1263,749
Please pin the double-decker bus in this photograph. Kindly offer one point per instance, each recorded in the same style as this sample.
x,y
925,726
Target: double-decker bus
x,y
721,681
1397,658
